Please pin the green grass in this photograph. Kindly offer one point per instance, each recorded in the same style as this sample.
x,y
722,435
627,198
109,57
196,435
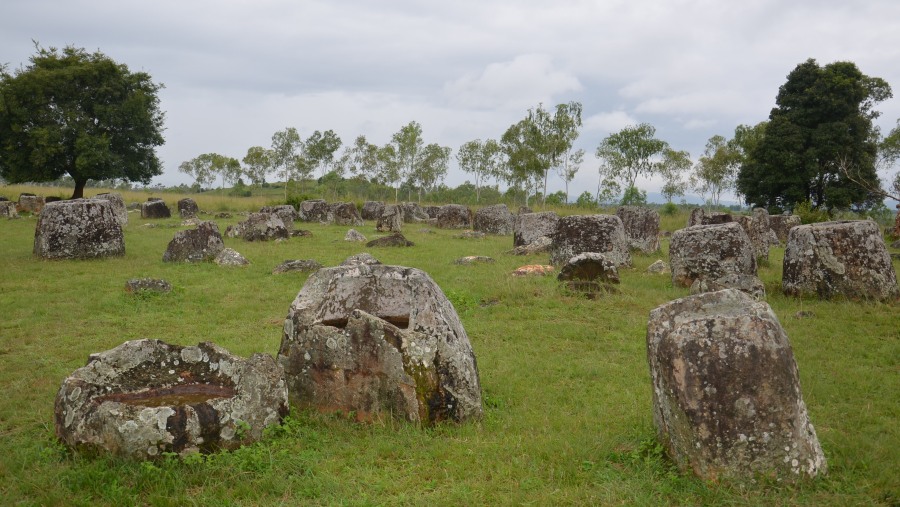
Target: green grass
x,y
565,383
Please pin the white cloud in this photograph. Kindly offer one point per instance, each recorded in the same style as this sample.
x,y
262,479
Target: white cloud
x,y
520,83
609,122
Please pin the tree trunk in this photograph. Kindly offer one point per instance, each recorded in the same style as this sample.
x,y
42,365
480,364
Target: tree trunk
x,y
79,188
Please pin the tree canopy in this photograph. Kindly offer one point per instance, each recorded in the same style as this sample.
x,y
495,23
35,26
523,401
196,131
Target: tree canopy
x,y
78,113
820,127
630,153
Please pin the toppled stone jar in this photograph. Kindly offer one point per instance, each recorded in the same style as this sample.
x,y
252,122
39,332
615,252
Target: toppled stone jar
x,y
146,397
379,341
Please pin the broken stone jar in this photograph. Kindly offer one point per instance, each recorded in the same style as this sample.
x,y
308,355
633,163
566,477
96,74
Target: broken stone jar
x,y
379,341
146,397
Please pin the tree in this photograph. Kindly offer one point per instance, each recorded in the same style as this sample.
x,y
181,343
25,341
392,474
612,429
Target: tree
x,y
887,157
822,122
286,156
320,148
717,168
81,114
433,168
257,164
205,167
408,145
389,168
199,168
630,153
673,164
540,142
570,168
481,159
360,159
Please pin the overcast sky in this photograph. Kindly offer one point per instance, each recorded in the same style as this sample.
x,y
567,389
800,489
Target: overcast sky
x,y
235,72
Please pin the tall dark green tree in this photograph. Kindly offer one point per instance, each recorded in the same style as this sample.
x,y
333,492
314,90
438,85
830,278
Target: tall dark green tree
x,y
78,113
822,123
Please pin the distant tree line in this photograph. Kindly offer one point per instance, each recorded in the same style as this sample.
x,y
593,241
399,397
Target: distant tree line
x,y
82,116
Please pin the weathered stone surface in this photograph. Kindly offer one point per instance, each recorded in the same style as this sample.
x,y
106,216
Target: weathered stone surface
x,y
540,245
431,211
395,239
846,258
187,208
744,222
30,203
589,266
696,217
641,228
362,258
379,341
454,216
473,259
285,212
301,265
470,235
78,229
118,206
525,209
576,234
534,270
782,224
658,267
138,285
354,235
391,219
759,234
371,210
495,219
8,209
344,213
314,210
145,398
716,218
259,227
413,213
747,284
710,251
896,232
726,390
230,257
155,208
529,227
301,233
202,244
223,214
191,222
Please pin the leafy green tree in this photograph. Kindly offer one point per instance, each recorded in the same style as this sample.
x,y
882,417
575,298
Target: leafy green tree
x,y
820,129
630,153
673,164
319,150
286,156
360,159
388,172
716,170
540,142
569,169
433,168
408,145
78,113
205,167
257,164
482,159
199,168
586,200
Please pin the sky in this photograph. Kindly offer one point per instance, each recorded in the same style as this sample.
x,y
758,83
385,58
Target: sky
x,y
235,72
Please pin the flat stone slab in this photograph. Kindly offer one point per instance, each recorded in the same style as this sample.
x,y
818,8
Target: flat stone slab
x,y
301,265
138,285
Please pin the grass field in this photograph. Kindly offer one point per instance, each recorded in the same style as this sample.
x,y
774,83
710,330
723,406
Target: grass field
x,y
565,383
